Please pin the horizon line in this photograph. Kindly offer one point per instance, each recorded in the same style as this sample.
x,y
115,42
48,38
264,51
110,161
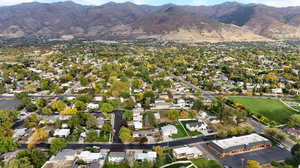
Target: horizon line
x,y
65,1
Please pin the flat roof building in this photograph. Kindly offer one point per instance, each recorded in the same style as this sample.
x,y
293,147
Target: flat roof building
x,y
187,152
242,144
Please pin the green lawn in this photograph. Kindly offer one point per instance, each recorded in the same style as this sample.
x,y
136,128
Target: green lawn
x,y
270,108
296,107
203,163
179,165
181,132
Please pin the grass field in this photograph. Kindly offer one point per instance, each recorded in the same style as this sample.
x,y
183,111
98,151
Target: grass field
x,y
270,108
181,132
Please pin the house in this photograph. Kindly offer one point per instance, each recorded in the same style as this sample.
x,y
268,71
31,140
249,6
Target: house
x,y
116,157
196,126
144,133
18,133
181,103
161,104
63,159
98,98
93,106
149,156
89,157
137,116
213,120
138,125
241,144
277,91
187,152
168,130
295,132
62,133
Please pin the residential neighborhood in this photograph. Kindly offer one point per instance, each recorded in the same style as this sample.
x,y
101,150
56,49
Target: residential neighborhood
x,y
84,104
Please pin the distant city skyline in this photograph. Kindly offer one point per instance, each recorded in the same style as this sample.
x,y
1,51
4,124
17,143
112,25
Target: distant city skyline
x,y
276,3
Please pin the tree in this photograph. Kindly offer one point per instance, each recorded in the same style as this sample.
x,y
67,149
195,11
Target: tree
x,y
119,87
106,108
69,111
107,127
128,115
160,152
38,135
92,136
296,150
294,120
58,105
80,105
275,133
41,103
19,163
173,114
193,113
149,119
36,157
8,144
91,121
184,114
125,134
46,111
32,120
58,144
253,164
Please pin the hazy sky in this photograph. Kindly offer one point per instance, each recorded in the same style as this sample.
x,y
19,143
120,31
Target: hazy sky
x,y
278,3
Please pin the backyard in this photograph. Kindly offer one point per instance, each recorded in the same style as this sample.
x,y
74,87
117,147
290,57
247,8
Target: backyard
x,y
270,108
181,132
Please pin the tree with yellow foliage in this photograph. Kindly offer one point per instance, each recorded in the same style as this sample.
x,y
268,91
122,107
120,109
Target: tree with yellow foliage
x,y
38,135
253,164
69,111
184,114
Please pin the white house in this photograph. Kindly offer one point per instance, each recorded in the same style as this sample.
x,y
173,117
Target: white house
x,y
181,103
187,152
196,126
98,98
116,157
18,133
168,130
89,157
149,156
62,133
277,91
161,104
138,125
93,106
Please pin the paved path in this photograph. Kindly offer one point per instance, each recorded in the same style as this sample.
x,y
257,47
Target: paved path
x,y
117,125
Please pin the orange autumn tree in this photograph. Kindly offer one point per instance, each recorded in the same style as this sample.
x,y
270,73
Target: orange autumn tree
x,y
38,135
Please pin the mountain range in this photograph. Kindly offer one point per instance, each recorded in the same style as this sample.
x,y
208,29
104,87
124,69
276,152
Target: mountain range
x,y
229,21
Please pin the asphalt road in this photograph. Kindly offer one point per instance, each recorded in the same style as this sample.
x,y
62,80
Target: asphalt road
x,y
120,146
117,125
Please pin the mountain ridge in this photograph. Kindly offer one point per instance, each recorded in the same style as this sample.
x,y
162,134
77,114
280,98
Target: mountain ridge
x,y
230,21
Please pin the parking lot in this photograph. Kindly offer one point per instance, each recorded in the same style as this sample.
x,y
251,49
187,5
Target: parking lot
x,y
263,156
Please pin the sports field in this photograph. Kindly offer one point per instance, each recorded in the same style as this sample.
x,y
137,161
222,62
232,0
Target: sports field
x,y
270,108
